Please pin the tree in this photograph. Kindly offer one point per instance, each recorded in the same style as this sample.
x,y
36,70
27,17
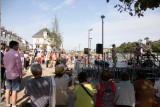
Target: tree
x,y
130,46
55,38
155,46
140,40
146,39
137,7
127,47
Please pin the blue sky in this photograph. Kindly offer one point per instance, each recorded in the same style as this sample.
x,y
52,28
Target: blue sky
x,y
27,17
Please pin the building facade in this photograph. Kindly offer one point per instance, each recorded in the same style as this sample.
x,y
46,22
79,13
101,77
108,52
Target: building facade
x,y
7,36
40,40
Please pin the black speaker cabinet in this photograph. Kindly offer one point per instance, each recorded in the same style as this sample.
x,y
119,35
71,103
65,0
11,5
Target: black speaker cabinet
x,y
99,48
85,50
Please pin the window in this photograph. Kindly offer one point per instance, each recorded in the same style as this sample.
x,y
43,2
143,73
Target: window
x,y
37,46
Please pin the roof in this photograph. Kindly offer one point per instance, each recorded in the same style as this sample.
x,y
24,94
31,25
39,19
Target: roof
x,y
39,34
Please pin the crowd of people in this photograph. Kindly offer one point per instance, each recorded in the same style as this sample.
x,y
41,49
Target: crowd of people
x,y
140,93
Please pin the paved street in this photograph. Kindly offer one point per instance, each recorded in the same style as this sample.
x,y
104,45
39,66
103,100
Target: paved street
x,y
47,72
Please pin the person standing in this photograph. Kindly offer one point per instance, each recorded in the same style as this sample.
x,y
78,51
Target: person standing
x,y
39,57
26,60
138,52
114,56
61,86
71,57
2,67
47,59
13,65
42,57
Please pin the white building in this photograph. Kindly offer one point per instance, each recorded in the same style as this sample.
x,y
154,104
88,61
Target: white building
x,y
40,40
7,36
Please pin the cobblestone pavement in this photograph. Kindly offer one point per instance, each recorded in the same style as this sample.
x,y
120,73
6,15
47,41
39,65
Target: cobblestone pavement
x,y
47,72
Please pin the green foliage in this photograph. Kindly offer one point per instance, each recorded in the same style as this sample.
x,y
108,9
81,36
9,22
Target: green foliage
x,y
130,46
137,7
127,47
51,36
55,38
155,46
147,39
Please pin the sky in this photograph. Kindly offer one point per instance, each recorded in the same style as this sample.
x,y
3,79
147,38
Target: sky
x,y
76,17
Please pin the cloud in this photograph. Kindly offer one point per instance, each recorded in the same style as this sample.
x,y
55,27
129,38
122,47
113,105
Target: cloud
x,y
43,5
122,24
64,3
121,28
68,2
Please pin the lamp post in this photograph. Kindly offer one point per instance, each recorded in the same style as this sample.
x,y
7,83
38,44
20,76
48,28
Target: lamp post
x,y
79,47
102,35
88,43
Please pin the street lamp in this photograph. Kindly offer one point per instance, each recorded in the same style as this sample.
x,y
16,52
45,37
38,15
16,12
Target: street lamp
x,y
89,36
102,35
79,47
88,43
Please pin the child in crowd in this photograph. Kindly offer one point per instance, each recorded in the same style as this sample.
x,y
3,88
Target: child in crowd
x,y
61,86
83,92
105,90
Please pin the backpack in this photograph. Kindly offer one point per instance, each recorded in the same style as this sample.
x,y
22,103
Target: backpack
x,y
106,99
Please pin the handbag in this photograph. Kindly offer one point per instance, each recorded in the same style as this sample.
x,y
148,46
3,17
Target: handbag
x,y
86,91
